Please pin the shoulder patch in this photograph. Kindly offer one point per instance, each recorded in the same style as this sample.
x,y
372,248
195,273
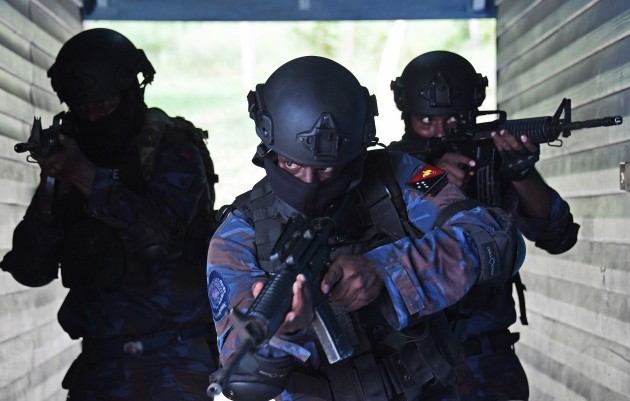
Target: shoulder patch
x,y
219,294
429,180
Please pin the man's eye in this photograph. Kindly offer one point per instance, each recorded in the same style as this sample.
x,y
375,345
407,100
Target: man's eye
x,y
326,169
452,120
291,166
426,120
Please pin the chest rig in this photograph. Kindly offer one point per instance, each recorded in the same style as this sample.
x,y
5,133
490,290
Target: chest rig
x,y
387,364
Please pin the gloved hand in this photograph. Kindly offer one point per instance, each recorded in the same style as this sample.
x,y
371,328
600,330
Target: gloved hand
x,y
517,157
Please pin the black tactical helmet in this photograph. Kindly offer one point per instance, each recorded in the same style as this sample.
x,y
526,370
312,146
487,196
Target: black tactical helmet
x,y
314,112
96,64
439,83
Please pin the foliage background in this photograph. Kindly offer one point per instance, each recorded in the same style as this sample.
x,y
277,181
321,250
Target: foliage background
x,y
205,70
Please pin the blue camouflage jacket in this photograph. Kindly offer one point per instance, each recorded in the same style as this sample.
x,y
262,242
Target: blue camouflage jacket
x,y
422,275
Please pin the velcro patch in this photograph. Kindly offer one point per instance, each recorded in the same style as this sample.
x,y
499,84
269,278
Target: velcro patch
x,y
218,292
429,180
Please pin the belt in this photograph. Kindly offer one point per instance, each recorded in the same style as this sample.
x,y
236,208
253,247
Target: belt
x,y
488,343
97,350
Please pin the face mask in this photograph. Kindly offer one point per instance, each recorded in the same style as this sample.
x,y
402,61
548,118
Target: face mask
x,y
104,141
312,199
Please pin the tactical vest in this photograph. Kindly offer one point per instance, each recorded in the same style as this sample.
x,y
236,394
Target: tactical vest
x,y
387,364
89,242
156,123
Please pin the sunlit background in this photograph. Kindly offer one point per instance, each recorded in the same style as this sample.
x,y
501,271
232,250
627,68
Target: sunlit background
x,y
205,70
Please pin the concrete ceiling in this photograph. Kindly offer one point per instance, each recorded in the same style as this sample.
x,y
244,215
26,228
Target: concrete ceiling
x,y
285,10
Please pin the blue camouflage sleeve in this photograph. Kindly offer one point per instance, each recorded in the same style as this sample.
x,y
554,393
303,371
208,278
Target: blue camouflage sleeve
x,y
231,271
429,273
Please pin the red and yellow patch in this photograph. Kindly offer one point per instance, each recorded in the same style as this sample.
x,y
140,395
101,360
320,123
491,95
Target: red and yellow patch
x,y
429,180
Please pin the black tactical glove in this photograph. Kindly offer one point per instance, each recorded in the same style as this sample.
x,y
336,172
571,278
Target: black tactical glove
x,y
516,165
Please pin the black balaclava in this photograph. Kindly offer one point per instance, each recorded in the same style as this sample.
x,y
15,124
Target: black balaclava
x,y
105,141
312,199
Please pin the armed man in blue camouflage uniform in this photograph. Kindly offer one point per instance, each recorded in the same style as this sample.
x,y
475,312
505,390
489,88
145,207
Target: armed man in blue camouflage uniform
x,y
129,229
410,246
435,91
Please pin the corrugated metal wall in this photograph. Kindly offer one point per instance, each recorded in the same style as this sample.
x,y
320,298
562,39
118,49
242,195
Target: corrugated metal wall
x,y
34,351
578,343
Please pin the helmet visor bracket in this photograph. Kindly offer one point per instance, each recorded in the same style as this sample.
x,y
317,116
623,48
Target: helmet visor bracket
x,y
323,139
439,92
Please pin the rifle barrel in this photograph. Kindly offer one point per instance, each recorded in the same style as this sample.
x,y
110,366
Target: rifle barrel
x,y
24,147
596,122
538,129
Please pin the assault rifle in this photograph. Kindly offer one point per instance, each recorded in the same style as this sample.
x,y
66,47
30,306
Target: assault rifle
x,y
474,140
303,248
42,142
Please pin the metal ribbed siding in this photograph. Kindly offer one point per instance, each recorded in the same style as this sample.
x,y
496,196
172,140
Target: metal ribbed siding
x,y
578,344
34,351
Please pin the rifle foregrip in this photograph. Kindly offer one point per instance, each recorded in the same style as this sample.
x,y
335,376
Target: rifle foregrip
x,y
538,129
274,301
543,129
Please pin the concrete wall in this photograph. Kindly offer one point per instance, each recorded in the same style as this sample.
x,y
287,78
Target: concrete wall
x,y
34,351
577,345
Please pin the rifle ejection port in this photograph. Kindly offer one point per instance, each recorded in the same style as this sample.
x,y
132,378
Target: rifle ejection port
x,y
624,176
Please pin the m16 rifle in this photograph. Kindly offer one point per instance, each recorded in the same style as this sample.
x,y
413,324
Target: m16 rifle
x,y
303,248
43,143
475,141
